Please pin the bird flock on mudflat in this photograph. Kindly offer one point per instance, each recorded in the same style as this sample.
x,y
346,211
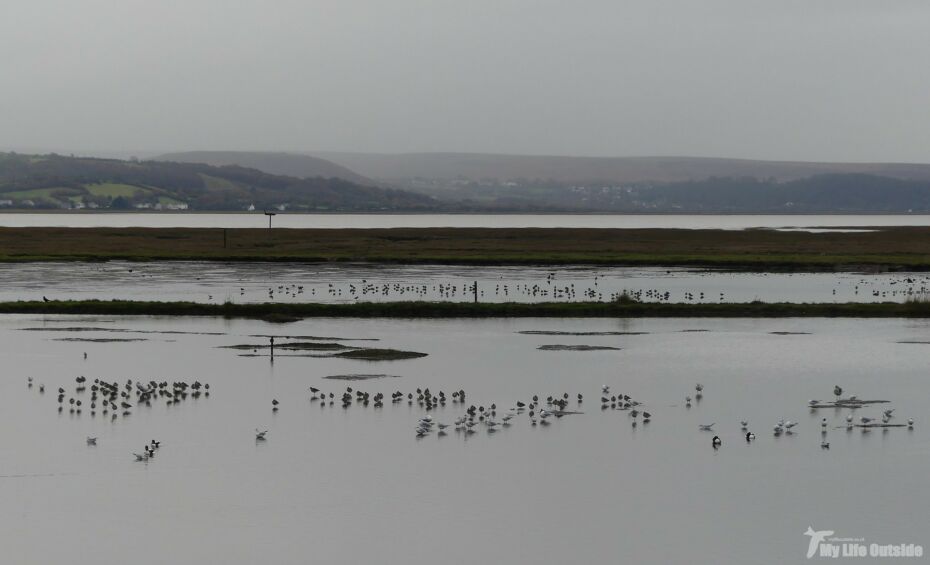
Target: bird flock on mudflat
x,y
866,423
549,286
116,399
543,411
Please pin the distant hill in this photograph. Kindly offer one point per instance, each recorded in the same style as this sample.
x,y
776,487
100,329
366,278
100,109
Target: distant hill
x,y
830,193
55,181
286,164
399,168
58,182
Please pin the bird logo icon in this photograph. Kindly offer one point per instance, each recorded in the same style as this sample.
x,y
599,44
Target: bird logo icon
x,y
816,539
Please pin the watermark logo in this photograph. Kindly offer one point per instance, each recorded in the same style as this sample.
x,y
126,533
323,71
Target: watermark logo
x,y
823,544
817,538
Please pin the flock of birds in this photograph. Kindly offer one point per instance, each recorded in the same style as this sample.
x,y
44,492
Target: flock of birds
x,y
540,412
550,286
544,291
553,289
545,411
786,427
117,400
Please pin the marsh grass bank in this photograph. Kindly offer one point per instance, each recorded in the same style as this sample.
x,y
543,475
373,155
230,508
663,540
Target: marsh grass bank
x,y
279,312
897,248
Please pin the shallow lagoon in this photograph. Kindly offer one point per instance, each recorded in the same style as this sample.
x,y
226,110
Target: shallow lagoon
x,y
342,283
354,485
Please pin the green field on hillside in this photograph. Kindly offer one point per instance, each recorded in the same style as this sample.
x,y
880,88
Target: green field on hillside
x,y
114,190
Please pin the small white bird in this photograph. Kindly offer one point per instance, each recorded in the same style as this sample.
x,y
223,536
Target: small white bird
x,y
865,420
825,445
823,423
888,413
910,422
699,387
141,457
706,427
605,389
849,418
260,435
744,424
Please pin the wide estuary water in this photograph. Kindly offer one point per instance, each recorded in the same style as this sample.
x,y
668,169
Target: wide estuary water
x,y
338,221
355,484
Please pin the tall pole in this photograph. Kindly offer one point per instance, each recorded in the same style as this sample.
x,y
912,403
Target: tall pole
x,y
476,292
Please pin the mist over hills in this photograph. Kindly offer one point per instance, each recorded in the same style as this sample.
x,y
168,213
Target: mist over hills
x,y
651,184
568,169
286,164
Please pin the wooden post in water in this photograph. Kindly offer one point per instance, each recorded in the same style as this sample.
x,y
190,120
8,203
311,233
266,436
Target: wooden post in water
x,y
272,349
476,292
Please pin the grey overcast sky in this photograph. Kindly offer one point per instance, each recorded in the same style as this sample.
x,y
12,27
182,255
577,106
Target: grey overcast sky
x,y
840,80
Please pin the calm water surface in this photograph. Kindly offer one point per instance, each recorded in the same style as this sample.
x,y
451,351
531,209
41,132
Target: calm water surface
x,y
354,485
258,220
342,283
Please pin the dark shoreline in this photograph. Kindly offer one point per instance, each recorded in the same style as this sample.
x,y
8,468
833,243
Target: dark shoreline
x,y
294,312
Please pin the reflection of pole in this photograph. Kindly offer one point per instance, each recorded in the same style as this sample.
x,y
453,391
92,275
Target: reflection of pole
x,y
272,349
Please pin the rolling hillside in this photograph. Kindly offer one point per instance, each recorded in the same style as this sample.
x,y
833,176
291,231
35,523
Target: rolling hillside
x,y
55,181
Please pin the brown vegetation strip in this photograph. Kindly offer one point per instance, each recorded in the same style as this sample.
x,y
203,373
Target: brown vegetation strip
x,y
891,248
